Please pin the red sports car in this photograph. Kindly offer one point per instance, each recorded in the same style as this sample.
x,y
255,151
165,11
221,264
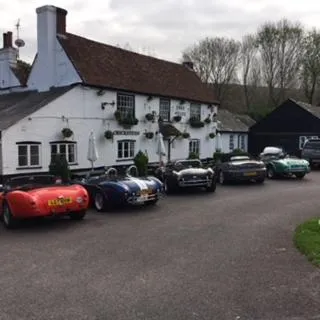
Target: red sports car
x,y
41,196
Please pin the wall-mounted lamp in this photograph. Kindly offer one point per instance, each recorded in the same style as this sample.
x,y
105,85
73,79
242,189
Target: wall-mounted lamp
x,y
104,104
101,92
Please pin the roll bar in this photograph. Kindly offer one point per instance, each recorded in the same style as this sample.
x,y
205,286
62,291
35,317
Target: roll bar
x,y
128,171
110,170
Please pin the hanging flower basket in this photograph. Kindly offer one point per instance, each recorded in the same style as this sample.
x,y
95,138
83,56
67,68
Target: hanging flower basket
x,y
108,134
149,117
177,118
207,120
195,123
66,132
212,135
185,135
149,135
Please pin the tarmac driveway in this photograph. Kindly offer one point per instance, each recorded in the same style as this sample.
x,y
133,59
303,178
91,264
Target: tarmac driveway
x,y
227,255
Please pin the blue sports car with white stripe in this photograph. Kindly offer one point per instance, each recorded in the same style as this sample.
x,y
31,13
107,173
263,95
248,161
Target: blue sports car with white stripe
x,y
110,190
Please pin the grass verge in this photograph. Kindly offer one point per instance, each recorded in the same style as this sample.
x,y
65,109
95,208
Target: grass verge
x,y
307,240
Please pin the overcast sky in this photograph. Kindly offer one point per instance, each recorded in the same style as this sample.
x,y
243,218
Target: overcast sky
x,y
161,27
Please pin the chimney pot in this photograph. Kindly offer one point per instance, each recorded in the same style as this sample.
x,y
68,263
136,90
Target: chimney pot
x,y
9,39
61,20
5,41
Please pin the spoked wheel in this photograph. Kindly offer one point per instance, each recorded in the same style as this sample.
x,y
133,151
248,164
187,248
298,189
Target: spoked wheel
x,y
8,219
99,202
222,180
168,187
213,186
270,173
300,175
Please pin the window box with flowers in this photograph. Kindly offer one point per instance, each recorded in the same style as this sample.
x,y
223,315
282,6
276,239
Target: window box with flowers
x,y
125,121
196,123
67,132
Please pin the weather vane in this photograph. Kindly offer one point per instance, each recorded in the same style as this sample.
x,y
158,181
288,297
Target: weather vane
x,y
19,42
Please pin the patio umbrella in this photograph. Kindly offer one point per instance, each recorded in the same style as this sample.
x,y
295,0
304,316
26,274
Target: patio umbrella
x,y
161,150
92,149
219,142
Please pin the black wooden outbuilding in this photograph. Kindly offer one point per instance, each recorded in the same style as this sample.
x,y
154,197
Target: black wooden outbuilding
x,y
287,126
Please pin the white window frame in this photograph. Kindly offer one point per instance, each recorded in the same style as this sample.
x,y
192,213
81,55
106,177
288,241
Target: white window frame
x,y
126,145
28,145
126,105
164,109
231,142
242,142
195,111
66,144
194,146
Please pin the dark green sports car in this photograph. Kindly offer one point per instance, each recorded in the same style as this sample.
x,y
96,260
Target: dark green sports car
x,y
279,163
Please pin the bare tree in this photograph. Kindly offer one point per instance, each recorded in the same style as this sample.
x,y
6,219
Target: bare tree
x,y
249,70
280,47
310,71
215,61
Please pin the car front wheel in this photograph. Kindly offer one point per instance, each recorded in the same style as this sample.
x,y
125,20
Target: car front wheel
x,y
270,173
300,175
100,202
222,179
9,220
212,187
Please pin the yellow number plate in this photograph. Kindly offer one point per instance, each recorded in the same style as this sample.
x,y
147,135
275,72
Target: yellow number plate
x,y
59,202
145,192
250,174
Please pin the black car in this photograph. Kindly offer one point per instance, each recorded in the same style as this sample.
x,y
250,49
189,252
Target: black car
x,y
181,174
240,168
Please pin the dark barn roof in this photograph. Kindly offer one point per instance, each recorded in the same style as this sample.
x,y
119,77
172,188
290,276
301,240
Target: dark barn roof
x,y
102,65
18,105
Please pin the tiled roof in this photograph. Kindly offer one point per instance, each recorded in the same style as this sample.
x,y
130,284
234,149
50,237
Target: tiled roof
x,y
230,122
107,66
18,105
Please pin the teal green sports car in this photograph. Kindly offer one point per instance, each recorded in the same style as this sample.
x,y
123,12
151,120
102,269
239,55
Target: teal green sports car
x,y
279,164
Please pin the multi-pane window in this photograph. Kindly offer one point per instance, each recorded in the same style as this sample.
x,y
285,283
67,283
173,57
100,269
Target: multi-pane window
x,y
28,155
194,146
125,105
231,142
164,109
69,150
195,111
126,149
242,142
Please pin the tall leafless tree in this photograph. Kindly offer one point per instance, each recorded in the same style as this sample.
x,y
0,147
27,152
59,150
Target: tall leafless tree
x,y
215,61
280,47
310,71
249,66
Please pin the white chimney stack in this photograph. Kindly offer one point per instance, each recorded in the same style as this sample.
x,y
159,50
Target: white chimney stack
x,y
50,22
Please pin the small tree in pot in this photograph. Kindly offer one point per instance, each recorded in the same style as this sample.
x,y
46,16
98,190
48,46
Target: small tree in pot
x,y
59,167
141,161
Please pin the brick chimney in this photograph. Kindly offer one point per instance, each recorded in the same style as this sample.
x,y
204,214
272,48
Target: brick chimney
x,y
8,53
51,21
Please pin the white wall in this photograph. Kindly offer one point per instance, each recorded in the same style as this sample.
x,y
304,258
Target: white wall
x,y
82,112
225,138
63,72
